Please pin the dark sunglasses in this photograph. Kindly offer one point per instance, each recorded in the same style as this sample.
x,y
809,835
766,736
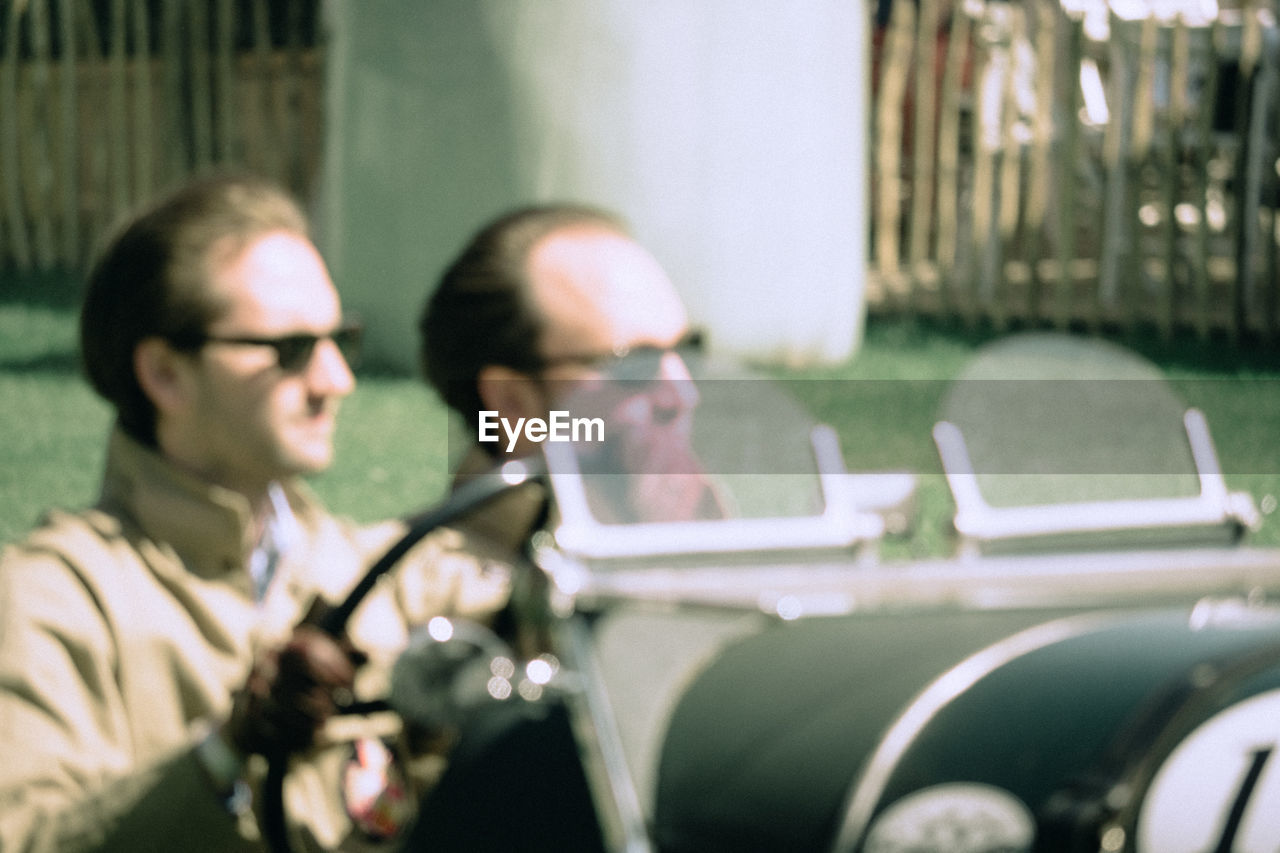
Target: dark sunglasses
x,y
642,362
293,352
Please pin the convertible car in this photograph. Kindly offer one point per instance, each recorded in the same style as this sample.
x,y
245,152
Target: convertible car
x,y
1096,666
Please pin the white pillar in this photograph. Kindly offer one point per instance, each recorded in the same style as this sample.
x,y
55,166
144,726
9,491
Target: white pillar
x,y
730,133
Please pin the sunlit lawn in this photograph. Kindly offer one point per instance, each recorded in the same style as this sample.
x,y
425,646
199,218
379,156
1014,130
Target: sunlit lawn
x,y
393,450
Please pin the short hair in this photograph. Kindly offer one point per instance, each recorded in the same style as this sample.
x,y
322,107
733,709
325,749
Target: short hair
x,y
152,280
482,314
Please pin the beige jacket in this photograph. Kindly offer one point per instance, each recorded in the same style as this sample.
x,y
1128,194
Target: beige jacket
x,y
125,629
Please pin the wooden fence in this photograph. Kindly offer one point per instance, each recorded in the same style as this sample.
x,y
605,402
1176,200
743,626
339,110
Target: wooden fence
x,y
1041,166
102,102
1026,168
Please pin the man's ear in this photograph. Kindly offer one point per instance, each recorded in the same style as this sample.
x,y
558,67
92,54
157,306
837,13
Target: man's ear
x,y
163,374
510,393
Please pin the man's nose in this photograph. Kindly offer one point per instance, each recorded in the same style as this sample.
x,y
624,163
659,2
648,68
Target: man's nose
x,y
328,373
674,388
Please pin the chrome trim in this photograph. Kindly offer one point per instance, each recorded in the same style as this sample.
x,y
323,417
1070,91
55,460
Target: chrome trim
x,y
979,523
866,795
600,745
841,525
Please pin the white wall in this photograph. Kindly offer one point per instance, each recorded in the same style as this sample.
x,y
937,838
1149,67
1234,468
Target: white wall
x,y
730,133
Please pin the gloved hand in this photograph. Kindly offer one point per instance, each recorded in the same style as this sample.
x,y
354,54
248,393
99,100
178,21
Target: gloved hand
x,y
290,693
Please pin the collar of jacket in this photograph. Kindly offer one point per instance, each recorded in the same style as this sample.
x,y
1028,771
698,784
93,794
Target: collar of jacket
x,y
507,521
209,527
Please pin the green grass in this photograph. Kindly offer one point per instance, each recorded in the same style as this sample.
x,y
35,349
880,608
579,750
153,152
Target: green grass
x,y
393,449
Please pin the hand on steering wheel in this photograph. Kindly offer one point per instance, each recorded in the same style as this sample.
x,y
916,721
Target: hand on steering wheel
x,y
287,699
291,692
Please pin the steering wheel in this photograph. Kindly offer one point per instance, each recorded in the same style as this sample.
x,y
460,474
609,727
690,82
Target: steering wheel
x,y
463,500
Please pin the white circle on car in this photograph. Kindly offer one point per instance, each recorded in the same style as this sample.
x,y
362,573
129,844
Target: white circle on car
x,y
1219,789
956,817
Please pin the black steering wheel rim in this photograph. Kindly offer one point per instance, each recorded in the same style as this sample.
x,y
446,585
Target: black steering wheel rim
x,y
460,502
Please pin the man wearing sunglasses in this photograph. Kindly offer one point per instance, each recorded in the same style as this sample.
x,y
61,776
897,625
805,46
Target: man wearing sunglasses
x,y
556,307
155,648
